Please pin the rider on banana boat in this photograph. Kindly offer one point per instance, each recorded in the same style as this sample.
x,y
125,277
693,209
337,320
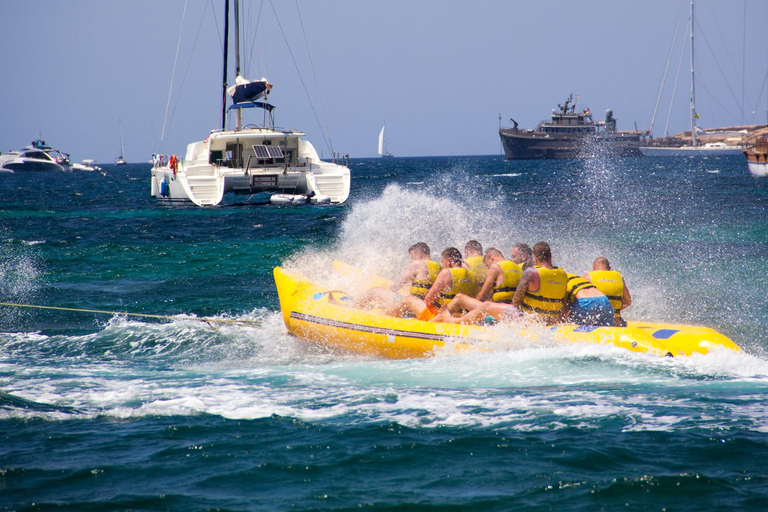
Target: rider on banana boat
x,y
522,255
586,304
452,280
502,278
474,262
421,273
540,296
612,284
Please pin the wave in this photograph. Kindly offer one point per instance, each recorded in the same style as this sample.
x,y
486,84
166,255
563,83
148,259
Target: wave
x,y
185,367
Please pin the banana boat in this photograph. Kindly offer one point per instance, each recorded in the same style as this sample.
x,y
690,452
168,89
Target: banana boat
x,y
324,316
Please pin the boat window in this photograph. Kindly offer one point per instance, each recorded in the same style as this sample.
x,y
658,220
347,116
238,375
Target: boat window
x,y
216,157
234,155
37,155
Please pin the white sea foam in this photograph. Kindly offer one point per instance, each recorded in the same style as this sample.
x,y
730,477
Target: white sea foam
x,y
184,367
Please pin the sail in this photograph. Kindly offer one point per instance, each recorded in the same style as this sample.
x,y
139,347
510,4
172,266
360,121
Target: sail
x,y
249,90
381,139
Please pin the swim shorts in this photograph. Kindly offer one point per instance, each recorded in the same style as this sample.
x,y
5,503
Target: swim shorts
x,y
511,313
592,311
429,313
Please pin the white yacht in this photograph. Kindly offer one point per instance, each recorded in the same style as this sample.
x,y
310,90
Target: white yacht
x,y
249,159
36,157
708,149
696,145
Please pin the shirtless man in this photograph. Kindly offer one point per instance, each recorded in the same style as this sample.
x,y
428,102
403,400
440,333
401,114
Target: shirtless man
x,y
612,284
421,273
452,279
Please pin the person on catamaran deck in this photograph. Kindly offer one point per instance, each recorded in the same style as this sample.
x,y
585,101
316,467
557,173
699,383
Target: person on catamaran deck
x,y
540,296
452,280
421,273
475,263
612,284
522,255
586,304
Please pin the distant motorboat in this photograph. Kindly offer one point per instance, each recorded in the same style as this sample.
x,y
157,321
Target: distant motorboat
x,y
87,165
383,143
36,157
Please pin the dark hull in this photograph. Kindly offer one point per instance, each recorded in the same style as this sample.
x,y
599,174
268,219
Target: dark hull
x,y
529,145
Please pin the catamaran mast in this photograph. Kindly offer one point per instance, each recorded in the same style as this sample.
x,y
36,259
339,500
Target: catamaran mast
x,y
224,80
239,113
693,87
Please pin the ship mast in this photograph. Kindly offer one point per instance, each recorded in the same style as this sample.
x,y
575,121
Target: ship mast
x,y
693,88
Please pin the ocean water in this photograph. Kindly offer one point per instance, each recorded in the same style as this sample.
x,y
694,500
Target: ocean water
x,y
117,412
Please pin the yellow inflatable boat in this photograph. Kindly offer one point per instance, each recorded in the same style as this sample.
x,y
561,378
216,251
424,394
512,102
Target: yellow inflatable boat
x,y
320,315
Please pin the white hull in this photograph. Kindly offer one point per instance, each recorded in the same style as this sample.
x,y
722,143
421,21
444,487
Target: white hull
x,y
758,169
692,151
30,164
238,169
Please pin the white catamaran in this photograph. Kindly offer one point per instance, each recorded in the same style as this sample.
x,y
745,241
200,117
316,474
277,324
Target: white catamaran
x,y
249,159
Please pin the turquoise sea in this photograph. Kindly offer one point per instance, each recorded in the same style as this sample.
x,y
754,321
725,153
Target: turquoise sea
x,y
102,412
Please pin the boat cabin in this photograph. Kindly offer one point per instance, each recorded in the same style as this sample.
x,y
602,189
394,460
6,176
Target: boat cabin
x,y
256,148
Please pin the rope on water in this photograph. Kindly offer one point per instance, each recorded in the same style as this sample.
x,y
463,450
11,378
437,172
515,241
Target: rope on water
x,y
205,319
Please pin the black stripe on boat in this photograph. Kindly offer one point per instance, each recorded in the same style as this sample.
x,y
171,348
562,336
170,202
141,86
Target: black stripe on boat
x,y
366,328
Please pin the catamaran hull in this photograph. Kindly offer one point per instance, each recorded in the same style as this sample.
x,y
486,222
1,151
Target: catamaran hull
x,y
170,187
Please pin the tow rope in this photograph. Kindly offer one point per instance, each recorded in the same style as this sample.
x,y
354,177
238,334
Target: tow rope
x,y
205,319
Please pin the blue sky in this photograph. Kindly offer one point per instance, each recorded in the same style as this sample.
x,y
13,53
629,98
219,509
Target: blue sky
x,y
438,72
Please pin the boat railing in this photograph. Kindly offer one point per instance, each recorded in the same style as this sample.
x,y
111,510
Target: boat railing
x,y
337,157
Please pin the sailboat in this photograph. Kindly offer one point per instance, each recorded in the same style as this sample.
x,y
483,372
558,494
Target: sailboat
x,y
121,160
383,143
729,141
252,158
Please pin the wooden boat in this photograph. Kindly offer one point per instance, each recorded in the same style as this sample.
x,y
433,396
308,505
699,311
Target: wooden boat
x,y
323,316
757,159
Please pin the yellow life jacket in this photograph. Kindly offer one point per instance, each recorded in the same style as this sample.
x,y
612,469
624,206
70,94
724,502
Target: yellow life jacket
x,y
506,290
461,282
548,301
611,284
420,287
575,285
479,271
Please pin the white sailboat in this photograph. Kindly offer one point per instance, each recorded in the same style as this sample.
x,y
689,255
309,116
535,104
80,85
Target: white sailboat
x,y
121,159
695,148
383,143
249,159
